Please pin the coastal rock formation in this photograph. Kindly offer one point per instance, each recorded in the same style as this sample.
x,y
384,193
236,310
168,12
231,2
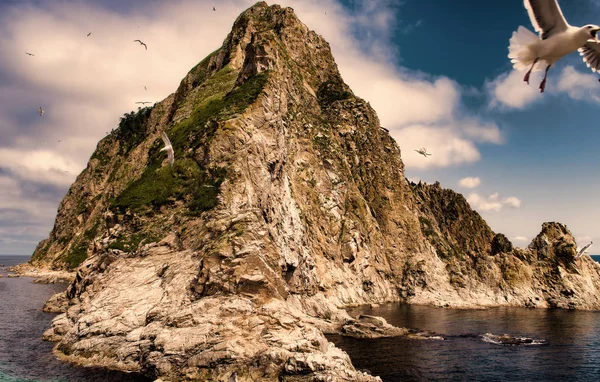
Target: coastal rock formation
x,y
286,202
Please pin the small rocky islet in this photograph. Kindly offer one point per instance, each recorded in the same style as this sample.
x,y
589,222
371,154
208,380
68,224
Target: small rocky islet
x,y
286,203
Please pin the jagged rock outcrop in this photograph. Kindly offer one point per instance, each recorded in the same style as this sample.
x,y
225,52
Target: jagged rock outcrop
x,y
286,202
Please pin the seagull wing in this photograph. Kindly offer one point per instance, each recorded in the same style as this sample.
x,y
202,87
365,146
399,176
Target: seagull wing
x,y
171,155
591,55
168,147
546,17
166,140
582,251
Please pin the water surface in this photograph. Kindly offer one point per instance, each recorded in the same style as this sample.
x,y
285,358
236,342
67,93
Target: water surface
x,y
571,352
24,357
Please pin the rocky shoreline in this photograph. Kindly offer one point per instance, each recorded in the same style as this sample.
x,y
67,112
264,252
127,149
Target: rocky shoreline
x,y
41,275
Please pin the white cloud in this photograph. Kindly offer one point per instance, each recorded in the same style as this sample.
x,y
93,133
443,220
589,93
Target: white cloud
x,y
470,182
578,85
491,202
510,91
520,238
512,201
481,203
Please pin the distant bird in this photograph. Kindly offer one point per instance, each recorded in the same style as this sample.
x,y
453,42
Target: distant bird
x,y
41,111
143,103
141,43
145,88
583,250
423,151
556,39
168,148
30,54
214,9
88,35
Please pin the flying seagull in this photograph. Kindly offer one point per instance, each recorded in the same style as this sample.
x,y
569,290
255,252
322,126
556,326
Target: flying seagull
x,y
168,147
143,103
88,35
556,39
141,43
583,250
145,87
41,111
30,54
214,9
423,151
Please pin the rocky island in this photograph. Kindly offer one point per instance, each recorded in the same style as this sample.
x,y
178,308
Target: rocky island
x,y
287,202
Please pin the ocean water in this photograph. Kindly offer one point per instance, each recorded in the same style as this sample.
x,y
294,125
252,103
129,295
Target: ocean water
x,y
24,357
567,345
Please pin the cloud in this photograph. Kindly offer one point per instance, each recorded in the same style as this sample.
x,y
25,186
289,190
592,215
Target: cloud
x,y
520,238
510,91
578,85
491,202
512,202
482,203
470,182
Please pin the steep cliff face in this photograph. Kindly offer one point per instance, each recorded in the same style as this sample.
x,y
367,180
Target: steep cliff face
x,y
286,201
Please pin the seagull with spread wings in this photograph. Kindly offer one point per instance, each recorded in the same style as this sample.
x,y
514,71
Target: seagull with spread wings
x,y
583,250
168,148
144,102
141,43
423,151
29,54
557,38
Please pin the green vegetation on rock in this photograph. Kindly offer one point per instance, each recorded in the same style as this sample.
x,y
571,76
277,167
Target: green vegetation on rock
x,y
77,254
199,128
132,129
331,91
185,180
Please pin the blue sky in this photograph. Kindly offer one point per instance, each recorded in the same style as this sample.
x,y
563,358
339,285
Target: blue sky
x,y
436,72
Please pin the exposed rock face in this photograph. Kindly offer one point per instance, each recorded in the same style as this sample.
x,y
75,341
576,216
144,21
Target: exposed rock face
x,y
286,201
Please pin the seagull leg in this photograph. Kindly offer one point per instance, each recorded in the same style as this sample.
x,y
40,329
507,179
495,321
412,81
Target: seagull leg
x,y
543,84
526,78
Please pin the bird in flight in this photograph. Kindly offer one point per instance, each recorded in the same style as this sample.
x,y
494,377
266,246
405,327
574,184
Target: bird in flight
x,y
41,111
88,35
168,148
145,87
141,43
583,250
143,103
29,54
423,151
557,38
214,9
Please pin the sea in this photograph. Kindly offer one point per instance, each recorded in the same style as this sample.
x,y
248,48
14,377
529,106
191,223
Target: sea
x,y
561,345
24,357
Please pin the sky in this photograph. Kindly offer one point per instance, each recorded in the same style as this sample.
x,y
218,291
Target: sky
x,y
435,71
